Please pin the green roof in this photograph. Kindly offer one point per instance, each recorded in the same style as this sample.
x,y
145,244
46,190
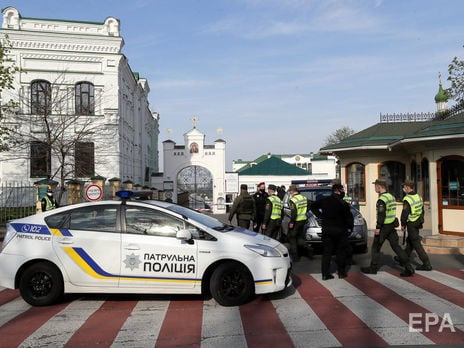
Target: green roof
x,y
273,166
389,133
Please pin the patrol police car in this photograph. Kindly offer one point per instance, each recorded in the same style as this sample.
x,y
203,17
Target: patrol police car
x,y
138,246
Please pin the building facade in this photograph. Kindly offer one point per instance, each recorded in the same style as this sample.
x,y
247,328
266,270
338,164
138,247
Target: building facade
x,y
75,81
426,148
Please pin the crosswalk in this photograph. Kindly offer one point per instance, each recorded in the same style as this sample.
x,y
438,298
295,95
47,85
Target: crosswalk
x,y
360,310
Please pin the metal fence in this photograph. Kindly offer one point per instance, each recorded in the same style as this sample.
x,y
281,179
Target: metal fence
x,y
16,200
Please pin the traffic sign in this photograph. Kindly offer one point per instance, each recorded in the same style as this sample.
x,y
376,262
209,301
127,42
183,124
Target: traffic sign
x,y
93,192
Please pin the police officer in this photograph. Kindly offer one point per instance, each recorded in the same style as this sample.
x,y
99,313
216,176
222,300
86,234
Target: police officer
x,y
260,198
48,202
244,207
272,222
412,218
337,220
385,230
298,207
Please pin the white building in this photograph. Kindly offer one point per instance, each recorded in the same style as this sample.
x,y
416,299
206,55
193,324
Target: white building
x,y
76,69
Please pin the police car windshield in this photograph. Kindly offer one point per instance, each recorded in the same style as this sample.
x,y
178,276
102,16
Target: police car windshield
x,y
198,217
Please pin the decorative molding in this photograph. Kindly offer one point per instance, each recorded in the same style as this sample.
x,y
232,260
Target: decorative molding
x,y
74,58
64,46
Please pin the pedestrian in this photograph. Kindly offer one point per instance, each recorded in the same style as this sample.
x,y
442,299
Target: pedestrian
x,y
385,229
298,205
412,219
281,192
48,202
337,220
260,198
272,222
244,207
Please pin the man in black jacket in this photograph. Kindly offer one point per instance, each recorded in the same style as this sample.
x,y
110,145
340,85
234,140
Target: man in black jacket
x,y
243,207
260,198
336,221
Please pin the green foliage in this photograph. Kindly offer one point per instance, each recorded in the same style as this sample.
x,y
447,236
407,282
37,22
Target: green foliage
x,y
8,70
456,77
339,135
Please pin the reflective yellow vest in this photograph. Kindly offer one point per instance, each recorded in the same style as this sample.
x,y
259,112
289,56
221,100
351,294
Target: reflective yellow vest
x,y
390,204
301,204
416,204
277,206
50,204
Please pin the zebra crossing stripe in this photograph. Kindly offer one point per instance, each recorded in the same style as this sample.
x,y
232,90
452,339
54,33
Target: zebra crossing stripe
x,y
7,295
379,319
342,322
182,324
93,333
455,273
449,292
221,326
142,327
262,325
394,294
56,332
19,328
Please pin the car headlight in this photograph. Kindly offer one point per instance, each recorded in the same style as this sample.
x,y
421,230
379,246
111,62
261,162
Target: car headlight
x,y
263,250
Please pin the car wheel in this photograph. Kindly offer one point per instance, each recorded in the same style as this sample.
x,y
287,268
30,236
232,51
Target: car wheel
x,y
41,284
231,284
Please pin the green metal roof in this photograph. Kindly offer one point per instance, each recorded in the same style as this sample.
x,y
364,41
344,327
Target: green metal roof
x,y
386,134
273,166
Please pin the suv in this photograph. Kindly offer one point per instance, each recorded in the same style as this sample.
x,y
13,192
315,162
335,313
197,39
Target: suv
x,y
315,191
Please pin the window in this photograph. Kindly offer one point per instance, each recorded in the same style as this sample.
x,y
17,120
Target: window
x,y
141,220
84,159
355,179
98,218
40,159
425,179
85,99
41,97
393,173
452,179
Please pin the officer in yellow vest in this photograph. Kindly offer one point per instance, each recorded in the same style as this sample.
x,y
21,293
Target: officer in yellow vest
x,y
298,205
385,230
272,222
412,218
48,202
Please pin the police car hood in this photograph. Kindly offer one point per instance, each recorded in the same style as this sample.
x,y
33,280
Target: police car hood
x,y
248,236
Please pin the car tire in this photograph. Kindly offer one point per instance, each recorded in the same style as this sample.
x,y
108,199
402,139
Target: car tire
x,y
231,284
41,284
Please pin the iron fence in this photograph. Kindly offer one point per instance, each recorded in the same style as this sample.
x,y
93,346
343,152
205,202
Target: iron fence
x,y
16,200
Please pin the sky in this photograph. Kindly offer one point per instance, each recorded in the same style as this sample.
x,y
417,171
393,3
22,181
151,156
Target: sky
x,y
278,76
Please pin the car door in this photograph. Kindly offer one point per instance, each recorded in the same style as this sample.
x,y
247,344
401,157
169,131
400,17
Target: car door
x,y
152,255
88,243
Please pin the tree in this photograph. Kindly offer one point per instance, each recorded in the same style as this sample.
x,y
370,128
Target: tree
x,y
48,130
456,77
8,70
339,135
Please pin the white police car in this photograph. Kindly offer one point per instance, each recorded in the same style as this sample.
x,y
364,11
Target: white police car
x,y
138,246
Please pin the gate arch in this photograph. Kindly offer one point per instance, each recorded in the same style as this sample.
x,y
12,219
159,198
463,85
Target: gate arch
x,y
196,183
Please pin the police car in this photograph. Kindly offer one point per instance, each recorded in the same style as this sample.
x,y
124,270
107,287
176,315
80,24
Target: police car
x,y
138,246
314,190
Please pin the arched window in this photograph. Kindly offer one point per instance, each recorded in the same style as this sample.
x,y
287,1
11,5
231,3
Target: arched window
x,y
85,99
41,97
356,183
393,173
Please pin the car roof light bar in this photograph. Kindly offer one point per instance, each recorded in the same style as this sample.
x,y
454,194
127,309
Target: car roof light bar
x,y
128,194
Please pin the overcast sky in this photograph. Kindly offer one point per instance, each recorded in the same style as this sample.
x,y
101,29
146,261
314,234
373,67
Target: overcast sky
x,y
278,76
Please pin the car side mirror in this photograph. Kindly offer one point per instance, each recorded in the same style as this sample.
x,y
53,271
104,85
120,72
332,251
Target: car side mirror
x,y
184,235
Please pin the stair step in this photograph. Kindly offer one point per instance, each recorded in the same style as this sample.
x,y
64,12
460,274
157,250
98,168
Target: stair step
x,y
443,250
443,241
